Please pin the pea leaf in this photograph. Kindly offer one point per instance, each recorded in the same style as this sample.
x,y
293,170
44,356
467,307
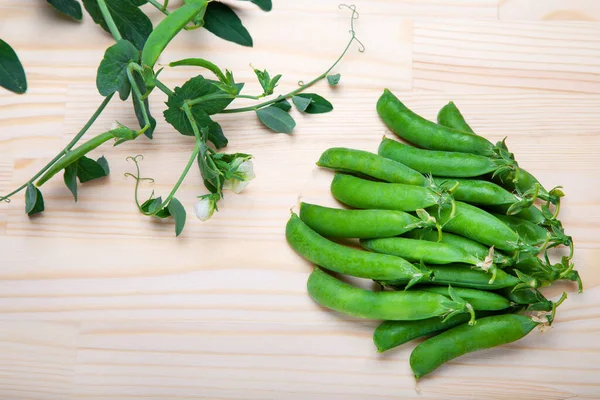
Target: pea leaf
x,y
112,72
34,201
70,8
265,5
301,103
266,82
131,22
276,119
88,169
12,75
151,205
178,212
283,104
333,79
318,104
70,178
224,23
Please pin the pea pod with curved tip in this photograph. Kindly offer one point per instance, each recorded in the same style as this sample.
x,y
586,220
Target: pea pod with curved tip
x,y
415,250
166,30
406,306
480,299
462,275
346,260
481,226
451,117
423,133
477,191
440,163
361,193
341,223
470,246
487,333
370,164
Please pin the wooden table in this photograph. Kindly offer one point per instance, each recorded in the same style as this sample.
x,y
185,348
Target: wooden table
x,y
99,302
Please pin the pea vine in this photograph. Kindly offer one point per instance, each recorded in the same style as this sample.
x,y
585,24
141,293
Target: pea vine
x,y
129,69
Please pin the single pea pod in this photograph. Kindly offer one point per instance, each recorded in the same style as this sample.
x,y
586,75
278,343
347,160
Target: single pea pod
x,y
440,163
423,133
462,275
405,306
470,246
481,226
477,191
451,117
487,333
341,223
527,296
361,193
346,260
415,250
369,164
480,299
531,213
391,334
166,30
530,233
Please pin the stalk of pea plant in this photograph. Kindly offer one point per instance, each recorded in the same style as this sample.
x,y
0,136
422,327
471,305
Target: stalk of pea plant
x,y
129,69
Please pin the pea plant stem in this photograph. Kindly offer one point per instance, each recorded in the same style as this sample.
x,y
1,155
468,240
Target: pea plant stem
x,y
138,97
64,151
112,27
162,8
163,88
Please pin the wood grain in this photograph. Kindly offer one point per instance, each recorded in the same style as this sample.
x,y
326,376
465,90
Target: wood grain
x,y
98,302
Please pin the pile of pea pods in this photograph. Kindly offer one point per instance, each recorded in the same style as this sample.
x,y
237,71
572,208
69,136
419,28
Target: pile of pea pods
x,y
457,237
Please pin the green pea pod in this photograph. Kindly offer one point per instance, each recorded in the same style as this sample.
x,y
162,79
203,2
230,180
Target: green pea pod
x,y
474,223
426,134
373,165
477,191
480,299
470,246
487,333
335,222
462,275
406,306
528,231
531,214
168,28
451,117
336,257
361,193
391,334
440,163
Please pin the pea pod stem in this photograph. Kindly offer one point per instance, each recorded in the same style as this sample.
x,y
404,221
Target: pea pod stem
x,y
161,7
112,27
64,151
163,88
202,63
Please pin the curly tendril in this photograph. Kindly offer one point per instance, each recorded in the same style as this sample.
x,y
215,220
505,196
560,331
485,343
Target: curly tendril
x,y
136,160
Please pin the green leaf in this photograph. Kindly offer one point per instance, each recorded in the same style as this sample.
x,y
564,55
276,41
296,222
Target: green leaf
x,y
112,72
132,23
178,212
276,119
88,169
70,8
266,82
264,5
283,104
34,201
301,103
318,104
224,22
151,205
12,74
70,178
333,79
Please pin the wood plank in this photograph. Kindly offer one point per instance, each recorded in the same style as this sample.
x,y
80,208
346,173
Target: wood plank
x,y
549,10
483,56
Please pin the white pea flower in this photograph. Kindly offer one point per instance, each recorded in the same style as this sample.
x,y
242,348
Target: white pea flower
x,y
205,208
243,175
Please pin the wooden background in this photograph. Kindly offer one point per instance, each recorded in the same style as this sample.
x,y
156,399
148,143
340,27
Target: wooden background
x,y
99,302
